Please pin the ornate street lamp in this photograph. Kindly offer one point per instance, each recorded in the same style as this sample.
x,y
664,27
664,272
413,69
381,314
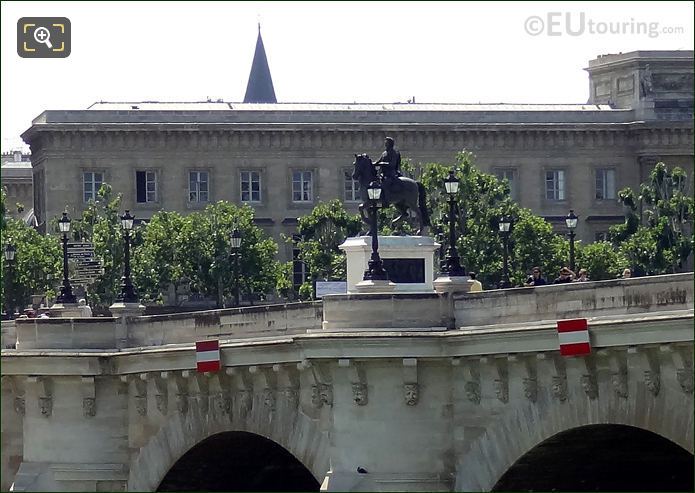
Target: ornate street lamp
x,y
235,242
10,251
505,225
66,295
128,293
453,263
571,222
375,271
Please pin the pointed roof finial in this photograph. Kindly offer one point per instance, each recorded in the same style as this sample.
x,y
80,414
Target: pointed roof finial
x,y
260,86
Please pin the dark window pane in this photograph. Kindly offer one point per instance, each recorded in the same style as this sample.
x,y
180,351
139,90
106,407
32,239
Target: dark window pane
x,y
140,186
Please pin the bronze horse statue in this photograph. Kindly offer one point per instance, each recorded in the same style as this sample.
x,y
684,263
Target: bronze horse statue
x,y
401,192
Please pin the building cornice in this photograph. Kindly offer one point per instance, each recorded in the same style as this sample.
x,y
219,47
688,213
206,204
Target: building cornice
x,y
676,137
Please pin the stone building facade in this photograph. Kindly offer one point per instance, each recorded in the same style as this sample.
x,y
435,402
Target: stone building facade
x,y
284,158
16,174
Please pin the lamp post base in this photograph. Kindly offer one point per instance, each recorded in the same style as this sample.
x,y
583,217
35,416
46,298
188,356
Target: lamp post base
x,y
452,284
125,309
375,286
65,310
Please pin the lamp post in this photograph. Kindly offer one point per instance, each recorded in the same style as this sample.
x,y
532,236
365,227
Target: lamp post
x,y
66,295
128,293
10,251
235,242
453,263
375,271
504,225
571,222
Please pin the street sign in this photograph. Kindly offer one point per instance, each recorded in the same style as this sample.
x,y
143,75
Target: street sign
x,y
80,255
89,246
330,287
207,355
85,263
574,337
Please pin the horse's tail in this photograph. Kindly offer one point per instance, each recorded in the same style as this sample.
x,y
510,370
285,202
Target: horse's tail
x,y
422,204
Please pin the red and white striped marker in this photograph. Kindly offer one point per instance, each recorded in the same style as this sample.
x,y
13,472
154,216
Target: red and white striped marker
x,y
207,355
574,337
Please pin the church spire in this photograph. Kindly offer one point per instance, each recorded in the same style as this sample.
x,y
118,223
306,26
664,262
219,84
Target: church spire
x,y
260,87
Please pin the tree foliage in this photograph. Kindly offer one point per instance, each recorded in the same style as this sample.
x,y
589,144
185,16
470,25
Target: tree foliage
x,y
481,201
194,250
661,240
36,267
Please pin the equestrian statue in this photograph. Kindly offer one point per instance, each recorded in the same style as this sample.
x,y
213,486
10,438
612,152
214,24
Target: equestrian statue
x,y
403,193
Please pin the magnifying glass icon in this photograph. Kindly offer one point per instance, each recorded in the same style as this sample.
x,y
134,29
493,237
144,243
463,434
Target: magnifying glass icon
x,y
43,35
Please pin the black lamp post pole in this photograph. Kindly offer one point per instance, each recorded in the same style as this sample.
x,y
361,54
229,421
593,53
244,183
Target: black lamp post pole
x,y
571,222
505,267
66,295
9,309
128,294
236,277
376,271
453,262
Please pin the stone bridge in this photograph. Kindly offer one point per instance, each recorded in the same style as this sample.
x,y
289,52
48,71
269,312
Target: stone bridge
x,y
369,392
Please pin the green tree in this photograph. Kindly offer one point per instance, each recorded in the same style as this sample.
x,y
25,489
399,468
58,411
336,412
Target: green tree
x,y
481,200
36,267
321,232
534,244
601,260
195,249
663,242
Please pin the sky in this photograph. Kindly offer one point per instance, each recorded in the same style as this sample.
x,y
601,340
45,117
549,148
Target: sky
x,y
449,52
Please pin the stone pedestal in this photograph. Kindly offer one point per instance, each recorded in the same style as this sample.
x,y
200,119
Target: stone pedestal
x,y
375,287
65,310
409,261
452,284
124,310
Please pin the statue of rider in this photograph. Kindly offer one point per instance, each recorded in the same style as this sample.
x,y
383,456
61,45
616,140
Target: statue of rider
x,y
390,163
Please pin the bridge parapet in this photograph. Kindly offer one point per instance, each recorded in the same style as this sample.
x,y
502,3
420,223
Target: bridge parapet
x,y
355,312
575,300
158,330
552,302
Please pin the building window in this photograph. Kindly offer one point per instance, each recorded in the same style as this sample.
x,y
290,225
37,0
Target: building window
x,y
605,184
299,271
198,186
146,186
250,186
92,181
302,186
555,185
351,188
509,174
601,236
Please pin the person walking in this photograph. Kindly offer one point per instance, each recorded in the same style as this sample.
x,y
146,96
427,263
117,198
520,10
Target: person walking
x,y
476,286
627,273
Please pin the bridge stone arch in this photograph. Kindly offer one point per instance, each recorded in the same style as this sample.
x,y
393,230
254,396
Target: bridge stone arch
x,y
512,434
292,429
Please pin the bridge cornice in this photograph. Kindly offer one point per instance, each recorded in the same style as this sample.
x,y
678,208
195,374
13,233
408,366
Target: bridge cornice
x,y
530,337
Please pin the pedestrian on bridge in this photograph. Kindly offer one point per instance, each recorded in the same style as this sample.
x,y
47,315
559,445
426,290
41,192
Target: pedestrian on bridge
x,y
536,278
